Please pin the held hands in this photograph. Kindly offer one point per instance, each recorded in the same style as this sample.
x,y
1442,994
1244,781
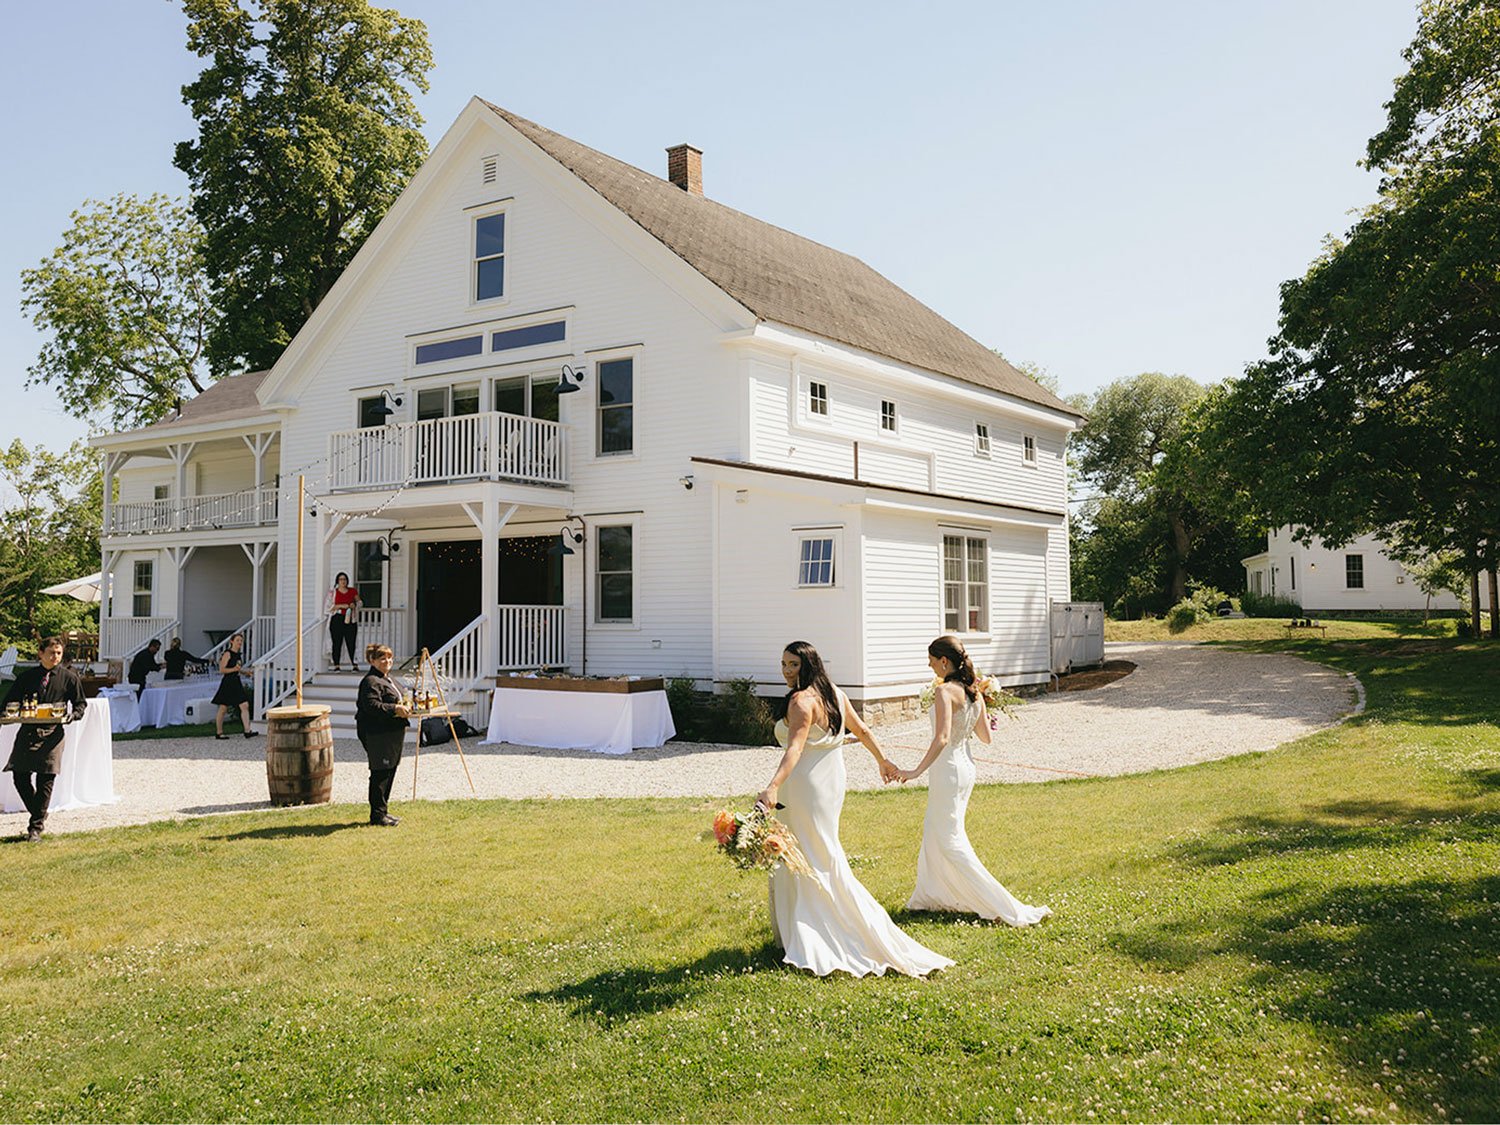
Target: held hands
x,y
403,711
889,771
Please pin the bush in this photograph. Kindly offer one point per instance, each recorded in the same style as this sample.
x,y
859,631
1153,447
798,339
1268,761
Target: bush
x,y
1269,605
737,715
1184,614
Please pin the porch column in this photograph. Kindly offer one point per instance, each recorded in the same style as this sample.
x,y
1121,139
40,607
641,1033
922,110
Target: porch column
x,y
112,463
489,579
180,557
180,452
107,561
257,553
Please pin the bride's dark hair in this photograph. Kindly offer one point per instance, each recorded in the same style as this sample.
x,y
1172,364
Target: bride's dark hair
x,y
813,675
950,648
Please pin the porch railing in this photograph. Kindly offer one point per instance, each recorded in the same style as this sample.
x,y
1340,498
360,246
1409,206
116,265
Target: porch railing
x,y
260,636
462,665
489,446
276,670
380,626
120,638
532,636
251,507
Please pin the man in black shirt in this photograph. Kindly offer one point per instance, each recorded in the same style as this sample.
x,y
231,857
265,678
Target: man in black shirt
x,y
39,747
176,659
143,665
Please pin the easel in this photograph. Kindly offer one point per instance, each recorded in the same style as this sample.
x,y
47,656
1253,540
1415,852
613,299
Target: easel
x,y
425,669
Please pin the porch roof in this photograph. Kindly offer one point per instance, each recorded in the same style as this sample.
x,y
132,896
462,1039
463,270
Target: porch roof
x,y
230,403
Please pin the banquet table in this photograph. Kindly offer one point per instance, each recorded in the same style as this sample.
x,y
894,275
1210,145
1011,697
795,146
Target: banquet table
x,y
88,769
124,711
606,716
164,704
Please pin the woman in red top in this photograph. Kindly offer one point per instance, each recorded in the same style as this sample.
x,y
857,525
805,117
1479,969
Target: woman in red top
x,y
343,602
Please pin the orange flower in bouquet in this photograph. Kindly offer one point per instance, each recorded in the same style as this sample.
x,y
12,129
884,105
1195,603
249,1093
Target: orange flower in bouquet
x,y
758,841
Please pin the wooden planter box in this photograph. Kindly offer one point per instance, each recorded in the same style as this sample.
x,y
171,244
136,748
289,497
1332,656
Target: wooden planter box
x,y
570,683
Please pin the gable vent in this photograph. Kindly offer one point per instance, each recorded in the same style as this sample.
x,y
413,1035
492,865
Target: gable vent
x,y
489,169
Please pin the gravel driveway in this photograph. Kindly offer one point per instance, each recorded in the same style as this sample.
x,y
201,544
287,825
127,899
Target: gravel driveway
x,y
1184,703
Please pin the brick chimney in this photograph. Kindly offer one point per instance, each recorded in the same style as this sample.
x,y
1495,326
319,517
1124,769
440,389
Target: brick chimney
x,y
685,168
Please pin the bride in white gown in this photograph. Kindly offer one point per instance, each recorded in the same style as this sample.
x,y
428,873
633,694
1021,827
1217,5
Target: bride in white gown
x,y
827,922
949,874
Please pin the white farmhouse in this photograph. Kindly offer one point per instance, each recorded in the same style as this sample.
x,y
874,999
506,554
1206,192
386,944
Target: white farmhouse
x,y
740,437
1357,577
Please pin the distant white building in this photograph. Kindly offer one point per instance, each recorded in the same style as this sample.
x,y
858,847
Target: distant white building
x,y
742,438
1359,576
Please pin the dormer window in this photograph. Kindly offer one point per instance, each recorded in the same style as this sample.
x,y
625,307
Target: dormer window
x,y
489,257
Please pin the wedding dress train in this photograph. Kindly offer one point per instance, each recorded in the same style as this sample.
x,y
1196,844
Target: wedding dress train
x,y
949,874
828,922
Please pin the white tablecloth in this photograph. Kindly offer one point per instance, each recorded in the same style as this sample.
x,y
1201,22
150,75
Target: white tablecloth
x,y
608,722
165,704
88,768
124,711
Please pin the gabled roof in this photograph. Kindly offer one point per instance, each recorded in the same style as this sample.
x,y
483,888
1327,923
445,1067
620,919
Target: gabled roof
x,y
230,398
784,278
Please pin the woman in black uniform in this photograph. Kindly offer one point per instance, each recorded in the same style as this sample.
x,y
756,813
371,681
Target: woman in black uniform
x,y
380,720
231,691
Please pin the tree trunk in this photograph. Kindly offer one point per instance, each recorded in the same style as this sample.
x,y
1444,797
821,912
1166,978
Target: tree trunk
x,y
1495,602
1474,601
1180,544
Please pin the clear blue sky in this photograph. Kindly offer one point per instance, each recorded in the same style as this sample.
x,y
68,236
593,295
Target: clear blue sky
x,y
1101,188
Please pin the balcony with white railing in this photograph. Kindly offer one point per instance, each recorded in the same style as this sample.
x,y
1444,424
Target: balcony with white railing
x,y
250,507
490,446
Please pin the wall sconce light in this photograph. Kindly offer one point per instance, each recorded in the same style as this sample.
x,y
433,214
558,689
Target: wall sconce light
x,y
387,546
686,482
563,537
388,407
569,379
313,511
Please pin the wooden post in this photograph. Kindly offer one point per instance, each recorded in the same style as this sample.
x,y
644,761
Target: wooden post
x,y
301,487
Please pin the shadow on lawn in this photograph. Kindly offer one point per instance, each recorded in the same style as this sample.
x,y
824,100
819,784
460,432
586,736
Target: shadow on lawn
x,y
618,995
1396,977
290,831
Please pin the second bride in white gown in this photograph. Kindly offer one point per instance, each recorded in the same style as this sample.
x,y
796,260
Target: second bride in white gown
x,y
827,922
949,874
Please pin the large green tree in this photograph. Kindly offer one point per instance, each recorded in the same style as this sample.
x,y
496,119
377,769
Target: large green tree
x,y
49,532
1157,512
125,307
1378,408
307,132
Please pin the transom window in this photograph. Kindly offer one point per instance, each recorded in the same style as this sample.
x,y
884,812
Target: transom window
x,y
140,601
1028,449
449,349
616,574
616,382
815,562
508,339
965,584
817,398
489,257
888,416
981,439
1354,572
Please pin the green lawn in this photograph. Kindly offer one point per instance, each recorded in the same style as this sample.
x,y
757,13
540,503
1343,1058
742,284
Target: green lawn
x,y
1306,934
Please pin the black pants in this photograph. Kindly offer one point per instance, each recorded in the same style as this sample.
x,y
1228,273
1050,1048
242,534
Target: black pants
x,y
380,791
343,634
37,797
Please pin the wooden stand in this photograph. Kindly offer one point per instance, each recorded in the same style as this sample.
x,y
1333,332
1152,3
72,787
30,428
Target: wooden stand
x,y
424,670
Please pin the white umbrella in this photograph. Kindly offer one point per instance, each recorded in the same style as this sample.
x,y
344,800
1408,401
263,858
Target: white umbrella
x,y
85,589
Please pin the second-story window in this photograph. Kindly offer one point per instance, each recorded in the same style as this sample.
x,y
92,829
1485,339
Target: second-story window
x,y
535,397
981,439
888,416
489,257
616,382
1028,449
371,412
817,399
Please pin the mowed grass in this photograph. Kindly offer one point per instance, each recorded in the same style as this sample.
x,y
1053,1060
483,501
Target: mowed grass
x,y
1305,934
1239,629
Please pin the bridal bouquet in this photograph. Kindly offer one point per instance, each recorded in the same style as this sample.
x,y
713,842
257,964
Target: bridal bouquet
x,y
997,700
758,840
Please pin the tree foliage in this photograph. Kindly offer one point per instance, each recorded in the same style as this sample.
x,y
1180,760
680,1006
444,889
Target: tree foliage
x,y
49,532
1163,513
124,303
307,133
1378,408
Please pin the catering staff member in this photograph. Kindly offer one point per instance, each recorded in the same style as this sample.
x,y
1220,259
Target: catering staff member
x,y
176,659
380,721
39,747
143,665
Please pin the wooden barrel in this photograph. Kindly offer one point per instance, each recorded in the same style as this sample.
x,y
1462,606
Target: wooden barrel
x,y
299,755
